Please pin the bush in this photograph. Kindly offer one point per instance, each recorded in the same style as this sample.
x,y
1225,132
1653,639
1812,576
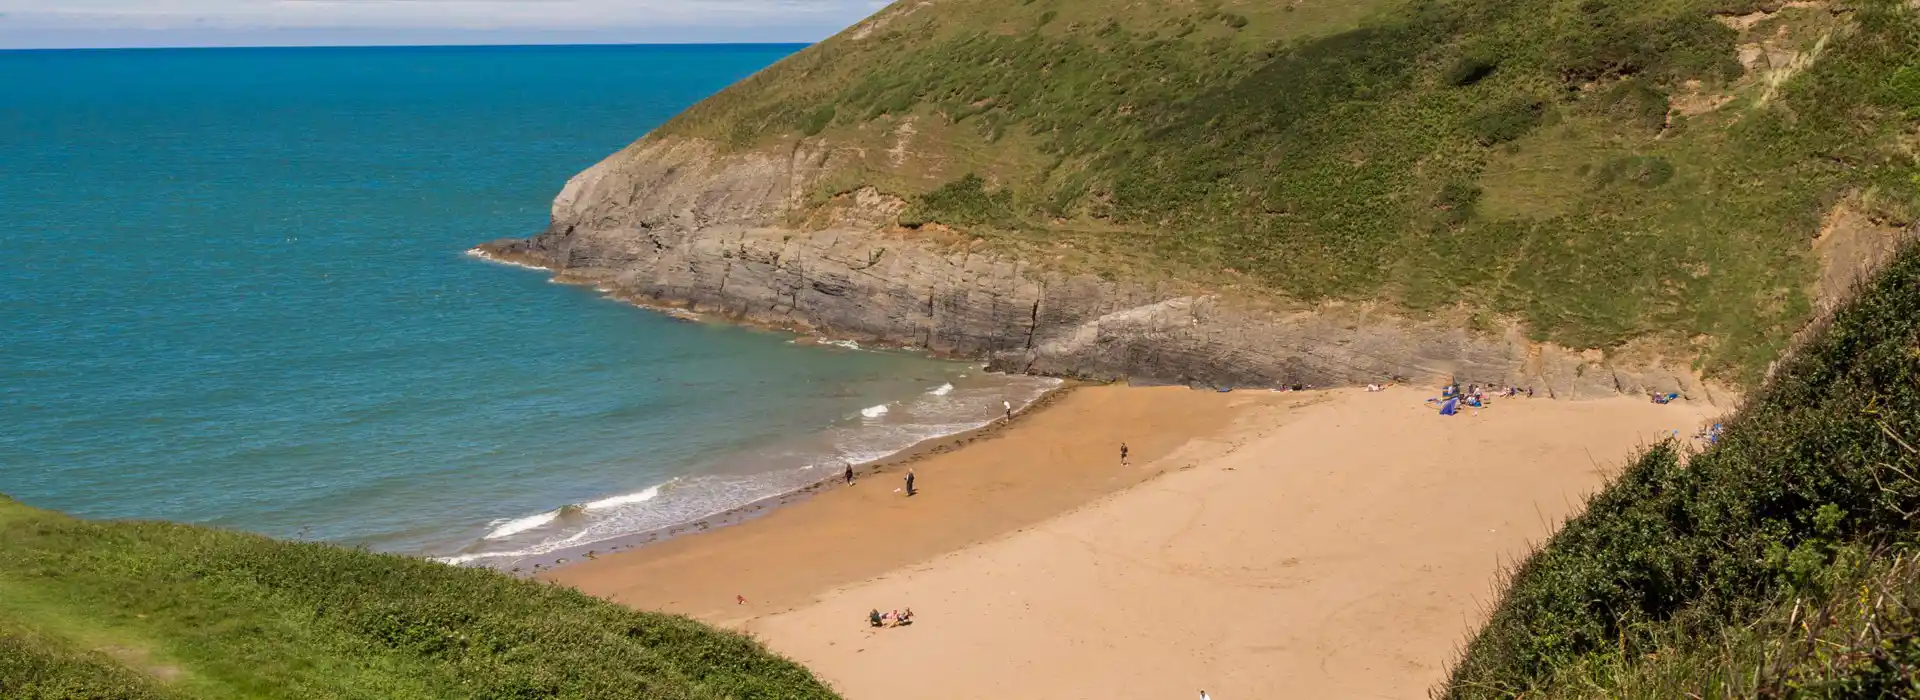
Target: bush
x,y
1456,198
963,202
817,120
1470,69
1821,461
1637,102
1507,122
1903,89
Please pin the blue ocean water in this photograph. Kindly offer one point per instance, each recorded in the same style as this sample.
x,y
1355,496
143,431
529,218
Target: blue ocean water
x,y
235,293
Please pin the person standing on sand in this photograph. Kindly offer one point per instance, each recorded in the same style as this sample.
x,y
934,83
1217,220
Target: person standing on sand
x,y
1009,406
849,473
910,482
1123,454
1203,695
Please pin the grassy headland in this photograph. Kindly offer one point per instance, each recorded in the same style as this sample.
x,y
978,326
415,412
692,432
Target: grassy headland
x,y
157,610
1600,170
1778,563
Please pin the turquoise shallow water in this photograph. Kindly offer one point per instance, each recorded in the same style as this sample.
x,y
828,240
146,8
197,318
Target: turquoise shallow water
x,y
235,293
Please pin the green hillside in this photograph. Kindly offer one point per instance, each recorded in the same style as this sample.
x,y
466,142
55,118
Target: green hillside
x,y
1779,563
155,610
1601,170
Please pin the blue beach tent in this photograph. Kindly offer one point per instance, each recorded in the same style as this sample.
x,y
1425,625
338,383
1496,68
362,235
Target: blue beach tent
x,y
1451,407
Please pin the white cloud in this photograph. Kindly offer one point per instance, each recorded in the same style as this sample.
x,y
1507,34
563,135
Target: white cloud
x,y
437,14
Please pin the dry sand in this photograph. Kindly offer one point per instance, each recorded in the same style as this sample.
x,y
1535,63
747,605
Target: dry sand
x,y
1336,544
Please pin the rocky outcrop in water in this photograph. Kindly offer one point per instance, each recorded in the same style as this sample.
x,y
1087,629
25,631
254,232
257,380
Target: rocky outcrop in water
x,y
677,223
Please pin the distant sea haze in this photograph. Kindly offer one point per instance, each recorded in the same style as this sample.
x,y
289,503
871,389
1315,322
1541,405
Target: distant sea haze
x,y
236,294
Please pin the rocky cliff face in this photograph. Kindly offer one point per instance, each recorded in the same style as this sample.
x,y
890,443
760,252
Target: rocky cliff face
x,y
675,222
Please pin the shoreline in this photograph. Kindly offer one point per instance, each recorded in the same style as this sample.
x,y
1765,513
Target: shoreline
x,y
547,563
1052,459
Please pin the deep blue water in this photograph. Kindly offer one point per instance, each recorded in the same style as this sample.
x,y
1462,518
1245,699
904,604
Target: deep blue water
x,y
235,293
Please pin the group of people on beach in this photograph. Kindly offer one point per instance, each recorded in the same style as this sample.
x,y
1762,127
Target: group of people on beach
x,y
1474,396
896,618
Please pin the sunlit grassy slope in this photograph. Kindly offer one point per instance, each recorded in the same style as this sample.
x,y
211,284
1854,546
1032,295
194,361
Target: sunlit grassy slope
x,y
1778,563
154,610
1600,170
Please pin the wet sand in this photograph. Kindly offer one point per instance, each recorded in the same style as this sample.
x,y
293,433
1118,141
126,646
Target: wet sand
x,y
1325,544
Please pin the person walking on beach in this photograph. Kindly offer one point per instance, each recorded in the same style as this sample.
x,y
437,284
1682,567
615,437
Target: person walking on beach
x,y
1123,454
849,473
1203,695
1009,406
910,482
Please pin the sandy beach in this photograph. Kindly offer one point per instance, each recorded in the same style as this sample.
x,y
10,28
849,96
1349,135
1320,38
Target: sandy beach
x,y
1260,545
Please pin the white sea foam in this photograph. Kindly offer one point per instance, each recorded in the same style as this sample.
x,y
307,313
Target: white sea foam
x,y
848,344
519,525
649,494
481,254
695,498
459,559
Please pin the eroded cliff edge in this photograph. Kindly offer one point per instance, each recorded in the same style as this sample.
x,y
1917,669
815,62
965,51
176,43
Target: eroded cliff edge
x,y
676,222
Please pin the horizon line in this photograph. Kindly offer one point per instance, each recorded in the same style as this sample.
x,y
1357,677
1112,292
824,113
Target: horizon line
x,y
481,45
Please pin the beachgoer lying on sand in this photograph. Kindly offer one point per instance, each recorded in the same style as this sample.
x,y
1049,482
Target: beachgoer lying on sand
x,y
875,619
905,618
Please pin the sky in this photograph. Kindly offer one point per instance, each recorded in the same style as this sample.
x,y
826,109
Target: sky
x,y
139,23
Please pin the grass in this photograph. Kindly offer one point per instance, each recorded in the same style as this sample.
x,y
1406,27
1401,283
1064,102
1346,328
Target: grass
x,y
1318,148
1742,571
157,610
1858,636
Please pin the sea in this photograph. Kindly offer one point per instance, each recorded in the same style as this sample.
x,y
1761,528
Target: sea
x,y
237,293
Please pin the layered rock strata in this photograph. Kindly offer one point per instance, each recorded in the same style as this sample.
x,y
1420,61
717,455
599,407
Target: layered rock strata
x,y
677,223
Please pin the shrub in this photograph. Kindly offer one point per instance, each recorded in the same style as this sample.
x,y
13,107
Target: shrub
x,y
1507,122
962,202
1821,461
1470,69
1457,198
817,120
1903,89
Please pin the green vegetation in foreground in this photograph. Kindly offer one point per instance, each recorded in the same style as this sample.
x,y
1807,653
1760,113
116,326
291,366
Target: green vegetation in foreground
x,y
1780,562
1602,170
155,610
